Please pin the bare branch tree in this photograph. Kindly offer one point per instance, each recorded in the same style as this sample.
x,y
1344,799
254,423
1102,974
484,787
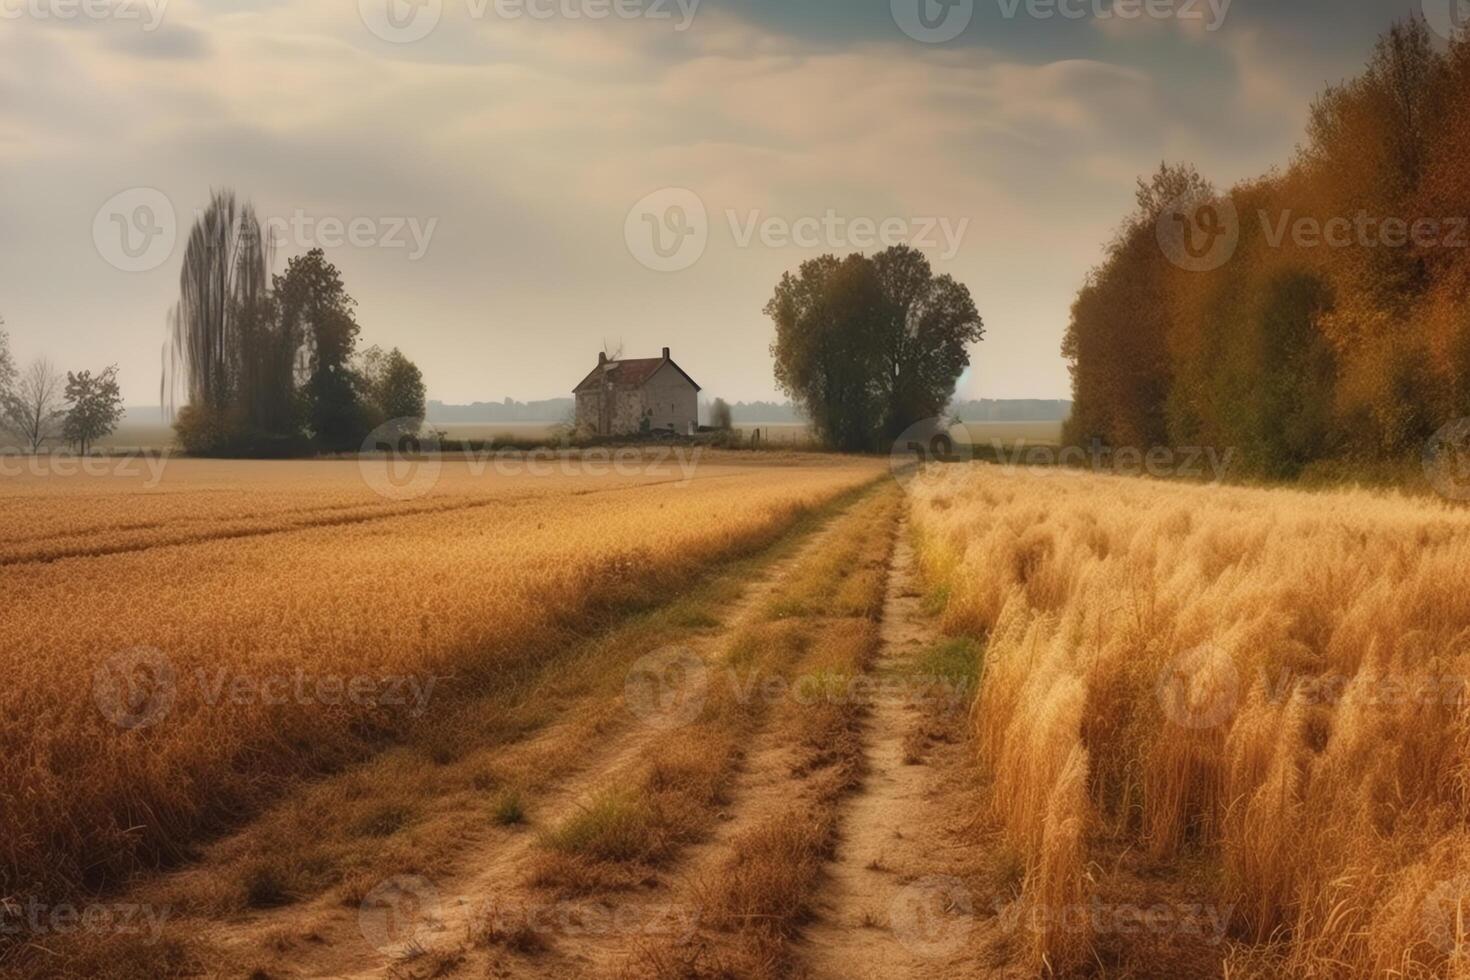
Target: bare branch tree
x,y
34,410
7,366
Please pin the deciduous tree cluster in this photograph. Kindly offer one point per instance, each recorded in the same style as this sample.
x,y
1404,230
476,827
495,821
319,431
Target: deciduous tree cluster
x,y
1338,326
269,364
867,347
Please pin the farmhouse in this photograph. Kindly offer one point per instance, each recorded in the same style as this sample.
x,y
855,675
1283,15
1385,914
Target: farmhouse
x,y
646,394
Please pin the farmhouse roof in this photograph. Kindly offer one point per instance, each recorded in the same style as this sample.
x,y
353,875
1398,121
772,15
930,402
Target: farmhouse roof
x,y
630,373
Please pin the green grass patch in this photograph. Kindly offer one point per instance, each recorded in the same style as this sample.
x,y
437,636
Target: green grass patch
x,y
509,808
955,661
616,826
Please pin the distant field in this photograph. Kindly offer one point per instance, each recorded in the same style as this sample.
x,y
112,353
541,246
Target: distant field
x,y
981,433
795,434
263,569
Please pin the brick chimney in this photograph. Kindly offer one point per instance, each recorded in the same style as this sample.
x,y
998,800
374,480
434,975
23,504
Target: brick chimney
x,y
601,358
666,353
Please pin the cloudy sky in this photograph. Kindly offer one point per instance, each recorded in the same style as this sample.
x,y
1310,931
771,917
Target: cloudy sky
x,y
508,184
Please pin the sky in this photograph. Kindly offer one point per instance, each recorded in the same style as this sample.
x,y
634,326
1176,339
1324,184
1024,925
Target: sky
x,y
510,185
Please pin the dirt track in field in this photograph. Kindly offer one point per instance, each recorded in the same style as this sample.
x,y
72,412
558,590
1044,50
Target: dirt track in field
x,y
896,904
892,898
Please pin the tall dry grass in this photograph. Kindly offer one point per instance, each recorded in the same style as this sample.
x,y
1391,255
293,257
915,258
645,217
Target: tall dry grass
x,y
1269,681
467,587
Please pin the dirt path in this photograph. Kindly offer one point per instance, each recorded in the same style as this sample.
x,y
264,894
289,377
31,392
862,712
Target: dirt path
x,y
894,899
411,926
897,903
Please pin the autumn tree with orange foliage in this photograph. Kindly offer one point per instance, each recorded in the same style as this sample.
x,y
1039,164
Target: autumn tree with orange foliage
x,y
1298,348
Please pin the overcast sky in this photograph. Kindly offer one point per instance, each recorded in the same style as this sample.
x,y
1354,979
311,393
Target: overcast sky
x,y
506,186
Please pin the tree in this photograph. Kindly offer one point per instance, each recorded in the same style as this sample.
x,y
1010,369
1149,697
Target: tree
x,y
1117,343
34,410
827,351
7,367
925,329
95,409
720,416
393,388
313,304
222,310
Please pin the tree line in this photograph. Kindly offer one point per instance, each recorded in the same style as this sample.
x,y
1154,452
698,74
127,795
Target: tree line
x,y
867,347
1338,328
38,406
269,364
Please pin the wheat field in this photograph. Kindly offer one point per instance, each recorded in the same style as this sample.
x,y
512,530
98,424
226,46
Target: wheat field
x,y
184,646
1264,690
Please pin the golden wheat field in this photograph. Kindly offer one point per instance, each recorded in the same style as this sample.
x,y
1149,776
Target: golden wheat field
x,y
1257,694
185,643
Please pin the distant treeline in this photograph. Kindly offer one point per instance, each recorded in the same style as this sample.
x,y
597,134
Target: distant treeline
x,y
1337,325
757,412
548,410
